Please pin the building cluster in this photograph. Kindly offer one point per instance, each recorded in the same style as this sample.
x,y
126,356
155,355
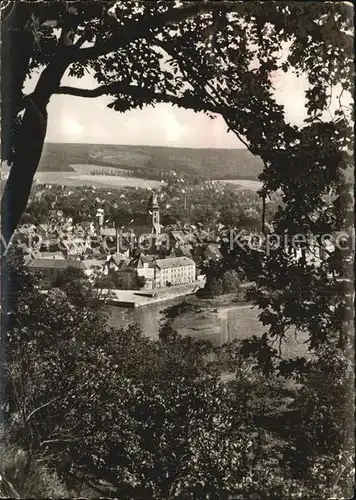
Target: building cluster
x,y
142,255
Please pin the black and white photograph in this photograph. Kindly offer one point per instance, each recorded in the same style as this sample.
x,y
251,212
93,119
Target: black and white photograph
x,y
177,250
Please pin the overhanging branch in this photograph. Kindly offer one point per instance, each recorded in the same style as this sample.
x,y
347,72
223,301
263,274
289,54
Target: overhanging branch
x,y
148,96
138,29
228,113
90,93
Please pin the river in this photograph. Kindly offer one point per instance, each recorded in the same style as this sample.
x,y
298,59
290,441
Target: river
x,y
148,317
217,325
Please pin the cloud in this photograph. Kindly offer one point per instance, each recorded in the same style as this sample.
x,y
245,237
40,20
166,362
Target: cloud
x,y
77,119
174,130
73,127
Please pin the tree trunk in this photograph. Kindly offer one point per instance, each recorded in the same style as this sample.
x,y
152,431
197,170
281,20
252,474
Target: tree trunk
x,y
30,142
28,149
16,50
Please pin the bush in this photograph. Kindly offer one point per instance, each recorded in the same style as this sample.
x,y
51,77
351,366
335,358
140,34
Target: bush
x,y
230,282
141,281
325,409
220,283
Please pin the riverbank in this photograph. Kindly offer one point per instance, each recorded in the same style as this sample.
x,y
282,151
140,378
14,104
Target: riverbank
x,y
140,298
226,319
219,320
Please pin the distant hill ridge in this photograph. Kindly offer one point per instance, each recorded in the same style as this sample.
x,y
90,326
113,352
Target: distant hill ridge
x,y
208,163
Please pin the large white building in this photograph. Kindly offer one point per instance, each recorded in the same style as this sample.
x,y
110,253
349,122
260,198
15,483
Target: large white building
x,y
174,271
158,273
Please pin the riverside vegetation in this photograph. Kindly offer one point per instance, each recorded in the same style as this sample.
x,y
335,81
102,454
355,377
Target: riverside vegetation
x,y
93,410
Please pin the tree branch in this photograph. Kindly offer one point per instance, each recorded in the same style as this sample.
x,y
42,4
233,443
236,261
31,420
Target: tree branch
x,y
190,102
103,492
226,111
138,29
83,38
96,92
40,408
48,441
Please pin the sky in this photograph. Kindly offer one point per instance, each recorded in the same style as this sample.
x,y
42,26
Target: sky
x,y
89,120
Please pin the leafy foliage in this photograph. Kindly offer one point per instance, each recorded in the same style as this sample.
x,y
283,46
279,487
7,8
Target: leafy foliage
x,y
222,278
128,416
325,437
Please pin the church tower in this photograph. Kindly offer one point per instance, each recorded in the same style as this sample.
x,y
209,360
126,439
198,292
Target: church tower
x,y
153,210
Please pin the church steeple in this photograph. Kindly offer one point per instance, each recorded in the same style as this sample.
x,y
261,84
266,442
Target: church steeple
x,y
153,210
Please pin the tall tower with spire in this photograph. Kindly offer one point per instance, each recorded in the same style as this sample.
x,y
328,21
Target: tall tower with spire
x,y
153,210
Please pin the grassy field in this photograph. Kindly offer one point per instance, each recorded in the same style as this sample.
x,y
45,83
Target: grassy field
x,y
72,164
228,163
81,176
115,181
244,183
82,179
88,168
225,324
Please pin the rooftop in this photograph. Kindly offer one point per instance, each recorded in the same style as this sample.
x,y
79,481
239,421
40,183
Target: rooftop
x,y
55,264
141,259
108,231
117,258
178,236
51,255
174,262
92,263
